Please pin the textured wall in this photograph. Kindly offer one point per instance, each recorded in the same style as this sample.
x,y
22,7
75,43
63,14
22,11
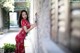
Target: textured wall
x,y
75,27
42,7
68,33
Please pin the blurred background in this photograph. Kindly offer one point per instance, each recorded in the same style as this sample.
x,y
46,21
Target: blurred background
x,y
58,25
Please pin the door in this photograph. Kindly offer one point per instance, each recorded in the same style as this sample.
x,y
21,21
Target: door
x,y
13,19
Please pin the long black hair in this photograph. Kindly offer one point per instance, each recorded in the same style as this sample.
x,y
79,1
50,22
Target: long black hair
x,y
20,17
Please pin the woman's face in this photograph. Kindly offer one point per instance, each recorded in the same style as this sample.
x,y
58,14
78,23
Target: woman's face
x,y
24,15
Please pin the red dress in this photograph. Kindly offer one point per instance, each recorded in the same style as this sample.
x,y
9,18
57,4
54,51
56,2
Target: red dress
x,y
21,36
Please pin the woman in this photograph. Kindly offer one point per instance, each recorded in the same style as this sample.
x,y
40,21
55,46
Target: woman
x,y
25,28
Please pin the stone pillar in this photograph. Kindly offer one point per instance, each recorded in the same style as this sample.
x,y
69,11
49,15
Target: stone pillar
x,y
75,26
42,7
63,22
60,21
54,20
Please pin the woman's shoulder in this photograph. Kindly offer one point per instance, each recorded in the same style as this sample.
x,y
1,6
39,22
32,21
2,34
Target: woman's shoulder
x,y
23,20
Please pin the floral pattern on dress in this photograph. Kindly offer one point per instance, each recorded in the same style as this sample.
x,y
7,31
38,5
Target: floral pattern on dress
x,y
21,36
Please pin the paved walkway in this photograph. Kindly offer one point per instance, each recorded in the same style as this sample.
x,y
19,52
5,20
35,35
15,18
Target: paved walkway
x,y
10,38
47,45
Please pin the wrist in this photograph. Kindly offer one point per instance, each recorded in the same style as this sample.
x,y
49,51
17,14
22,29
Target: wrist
x,y
31,27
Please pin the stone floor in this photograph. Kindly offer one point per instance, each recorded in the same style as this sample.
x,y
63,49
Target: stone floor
x,y
10,38
46,45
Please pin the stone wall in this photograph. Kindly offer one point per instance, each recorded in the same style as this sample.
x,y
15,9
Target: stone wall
x,y
65,28
75,27
42,8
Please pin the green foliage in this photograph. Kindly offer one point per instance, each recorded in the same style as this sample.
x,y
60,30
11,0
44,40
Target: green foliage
x,y
5,14
24,6
8,48
28,4
6,20
9,4
75,0
2,2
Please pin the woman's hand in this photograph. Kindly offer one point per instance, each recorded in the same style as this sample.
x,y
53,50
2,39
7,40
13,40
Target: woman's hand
x,y
32,26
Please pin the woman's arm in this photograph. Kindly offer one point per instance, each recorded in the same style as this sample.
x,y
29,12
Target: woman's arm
x,y
27,30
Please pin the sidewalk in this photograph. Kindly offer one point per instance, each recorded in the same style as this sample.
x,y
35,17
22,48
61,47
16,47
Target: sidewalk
x,y
48,46
10,38
7,38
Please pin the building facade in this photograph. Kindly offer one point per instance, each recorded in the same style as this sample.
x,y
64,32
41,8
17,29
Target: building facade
x,y
59,19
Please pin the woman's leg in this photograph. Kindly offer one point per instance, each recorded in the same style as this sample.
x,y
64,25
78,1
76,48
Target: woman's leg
x,y
17,45
20,45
